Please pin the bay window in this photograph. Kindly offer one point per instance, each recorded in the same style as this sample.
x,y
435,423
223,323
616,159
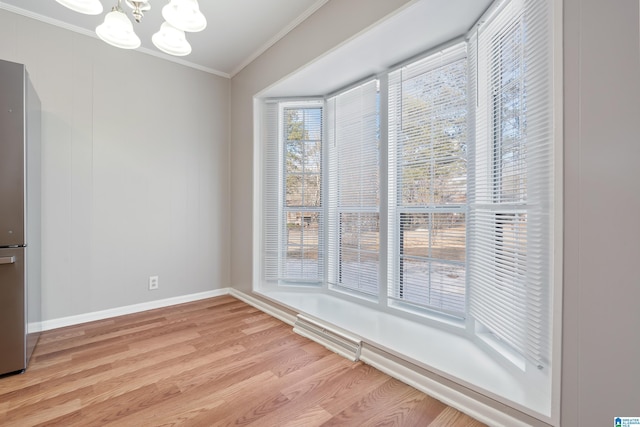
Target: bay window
x,y
427,192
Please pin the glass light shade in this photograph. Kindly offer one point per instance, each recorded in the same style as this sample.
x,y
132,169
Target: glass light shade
x,y
185,15
88,7
117,30
171,40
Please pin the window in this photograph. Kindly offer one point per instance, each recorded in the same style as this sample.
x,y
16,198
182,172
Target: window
x,y
511,184
354,189
428,185
293,193
428,192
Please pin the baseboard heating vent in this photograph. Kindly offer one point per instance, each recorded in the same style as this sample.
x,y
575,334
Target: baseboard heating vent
x,y
335,341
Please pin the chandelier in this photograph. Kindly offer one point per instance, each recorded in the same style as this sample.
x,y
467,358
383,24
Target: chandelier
x,y
117,29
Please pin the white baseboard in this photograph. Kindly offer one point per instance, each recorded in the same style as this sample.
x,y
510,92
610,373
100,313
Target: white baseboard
x,y
279,314
447,395
345,345
128,309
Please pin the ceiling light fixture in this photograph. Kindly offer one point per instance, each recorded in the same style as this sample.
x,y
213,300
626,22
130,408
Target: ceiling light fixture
x,y
117,29
88,7
184,15
171,40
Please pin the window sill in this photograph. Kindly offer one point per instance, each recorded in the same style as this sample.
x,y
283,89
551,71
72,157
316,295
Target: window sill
x,y
449,355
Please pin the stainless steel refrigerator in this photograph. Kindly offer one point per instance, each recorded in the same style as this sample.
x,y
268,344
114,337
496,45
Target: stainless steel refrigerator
x,y
20,276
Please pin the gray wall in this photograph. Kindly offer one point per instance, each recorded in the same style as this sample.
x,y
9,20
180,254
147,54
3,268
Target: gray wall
x,y
135,170
601,365
601,342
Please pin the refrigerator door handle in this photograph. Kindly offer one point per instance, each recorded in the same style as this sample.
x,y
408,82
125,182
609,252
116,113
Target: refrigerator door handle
x,y
7,260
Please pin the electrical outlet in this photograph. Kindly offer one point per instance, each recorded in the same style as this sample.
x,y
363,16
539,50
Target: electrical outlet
x,y
153,282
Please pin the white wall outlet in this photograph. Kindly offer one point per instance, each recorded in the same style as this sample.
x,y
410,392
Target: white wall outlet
x,y
153,282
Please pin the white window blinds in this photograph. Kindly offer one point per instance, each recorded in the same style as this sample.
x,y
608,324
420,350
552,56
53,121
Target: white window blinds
x,y
511,178
292,189
354,184
271,191
428,182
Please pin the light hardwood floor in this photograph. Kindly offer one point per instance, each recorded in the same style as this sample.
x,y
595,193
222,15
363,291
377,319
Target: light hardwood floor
x,y
212,362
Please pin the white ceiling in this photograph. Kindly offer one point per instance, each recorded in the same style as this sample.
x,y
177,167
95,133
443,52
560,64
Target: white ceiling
x,y
237,30
421,26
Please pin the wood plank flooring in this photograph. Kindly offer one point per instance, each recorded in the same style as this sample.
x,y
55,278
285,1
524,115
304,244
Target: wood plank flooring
x,y
214,362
